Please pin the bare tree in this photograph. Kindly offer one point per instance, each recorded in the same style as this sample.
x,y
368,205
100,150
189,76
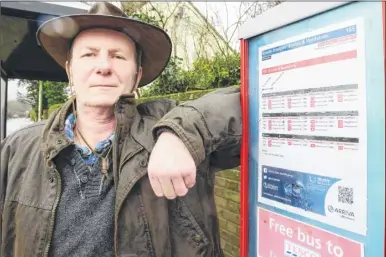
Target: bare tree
x,y
201,32
131,7
208,34
224,30
164,14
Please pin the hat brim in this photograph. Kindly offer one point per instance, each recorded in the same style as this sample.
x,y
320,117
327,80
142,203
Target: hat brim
x,y
55,37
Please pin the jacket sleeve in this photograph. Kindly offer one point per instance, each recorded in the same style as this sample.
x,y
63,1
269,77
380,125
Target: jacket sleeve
x,y
209,126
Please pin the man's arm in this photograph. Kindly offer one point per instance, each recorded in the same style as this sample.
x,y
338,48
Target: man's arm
x,y
210,125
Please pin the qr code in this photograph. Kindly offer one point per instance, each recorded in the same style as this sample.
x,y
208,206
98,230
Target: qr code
x,y
346,195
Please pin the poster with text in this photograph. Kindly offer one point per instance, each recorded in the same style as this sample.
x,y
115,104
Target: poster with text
x,y
312,125
279,236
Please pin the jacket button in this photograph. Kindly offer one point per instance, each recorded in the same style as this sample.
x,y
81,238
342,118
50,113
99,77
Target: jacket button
x,y
59,141
143,163
197,238
50,165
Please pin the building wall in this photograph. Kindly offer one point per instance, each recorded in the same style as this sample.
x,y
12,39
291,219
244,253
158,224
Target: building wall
x,y
227,194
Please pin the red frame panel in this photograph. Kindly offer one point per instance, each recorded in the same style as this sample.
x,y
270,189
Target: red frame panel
x,y
244,168
384,61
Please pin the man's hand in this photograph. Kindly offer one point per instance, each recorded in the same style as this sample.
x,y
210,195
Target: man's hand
x,y
171,168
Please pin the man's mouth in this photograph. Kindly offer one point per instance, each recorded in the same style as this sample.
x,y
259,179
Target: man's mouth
x,y
104,86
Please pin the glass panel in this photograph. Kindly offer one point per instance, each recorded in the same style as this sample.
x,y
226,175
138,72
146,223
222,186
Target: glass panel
x,y
2,107
17,111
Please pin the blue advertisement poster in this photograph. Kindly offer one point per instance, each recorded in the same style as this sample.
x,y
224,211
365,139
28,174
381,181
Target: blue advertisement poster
x,y
302,190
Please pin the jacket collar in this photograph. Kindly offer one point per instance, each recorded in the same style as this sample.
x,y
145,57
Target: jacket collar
x,y
141,130
55,140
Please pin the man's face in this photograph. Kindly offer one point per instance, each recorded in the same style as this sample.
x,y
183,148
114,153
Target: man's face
x,y
103,67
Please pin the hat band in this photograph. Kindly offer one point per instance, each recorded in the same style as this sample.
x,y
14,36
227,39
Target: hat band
x,y
102,27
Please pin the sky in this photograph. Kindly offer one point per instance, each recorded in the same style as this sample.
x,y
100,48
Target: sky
x,y
224,15
12,90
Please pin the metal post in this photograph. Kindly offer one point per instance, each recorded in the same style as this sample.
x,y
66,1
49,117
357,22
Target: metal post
x,y
3,105
40,109
244,161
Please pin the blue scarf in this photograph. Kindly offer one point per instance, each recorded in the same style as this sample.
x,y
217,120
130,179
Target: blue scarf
x,y
88,156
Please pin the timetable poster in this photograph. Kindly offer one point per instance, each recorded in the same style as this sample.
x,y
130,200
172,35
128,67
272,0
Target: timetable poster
x,y
312,125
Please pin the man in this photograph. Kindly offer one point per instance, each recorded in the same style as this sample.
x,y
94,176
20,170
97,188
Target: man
x,y
103,176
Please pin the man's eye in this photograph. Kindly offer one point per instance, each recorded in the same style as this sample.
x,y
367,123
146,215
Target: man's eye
x,y
88,55
119,57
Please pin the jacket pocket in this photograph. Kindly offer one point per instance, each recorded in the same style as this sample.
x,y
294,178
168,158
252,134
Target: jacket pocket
x,y
24,230
188,238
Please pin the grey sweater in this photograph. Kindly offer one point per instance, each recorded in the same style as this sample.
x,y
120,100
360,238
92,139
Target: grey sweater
x,y
84,224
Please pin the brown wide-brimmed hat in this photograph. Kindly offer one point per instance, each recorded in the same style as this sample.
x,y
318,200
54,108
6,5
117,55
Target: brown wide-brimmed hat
x,y
56,36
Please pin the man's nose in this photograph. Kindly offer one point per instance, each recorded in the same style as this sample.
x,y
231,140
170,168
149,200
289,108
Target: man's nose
x,y
103,65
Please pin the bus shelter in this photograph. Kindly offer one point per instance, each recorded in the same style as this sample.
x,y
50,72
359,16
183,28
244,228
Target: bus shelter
x,y
313,152
21,56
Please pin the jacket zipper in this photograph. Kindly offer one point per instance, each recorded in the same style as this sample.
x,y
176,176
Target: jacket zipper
x,y
51,230
115,153
115,145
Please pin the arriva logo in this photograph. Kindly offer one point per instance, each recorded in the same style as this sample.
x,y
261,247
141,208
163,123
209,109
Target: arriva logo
x,y
341,211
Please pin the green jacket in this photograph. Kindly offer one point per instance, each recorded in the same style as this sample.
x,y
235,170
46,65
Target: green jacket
x,y
30,184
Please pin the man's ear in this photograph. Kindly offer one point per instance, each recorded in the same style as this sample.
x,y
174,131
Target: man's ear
x,y
139,76
68,70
